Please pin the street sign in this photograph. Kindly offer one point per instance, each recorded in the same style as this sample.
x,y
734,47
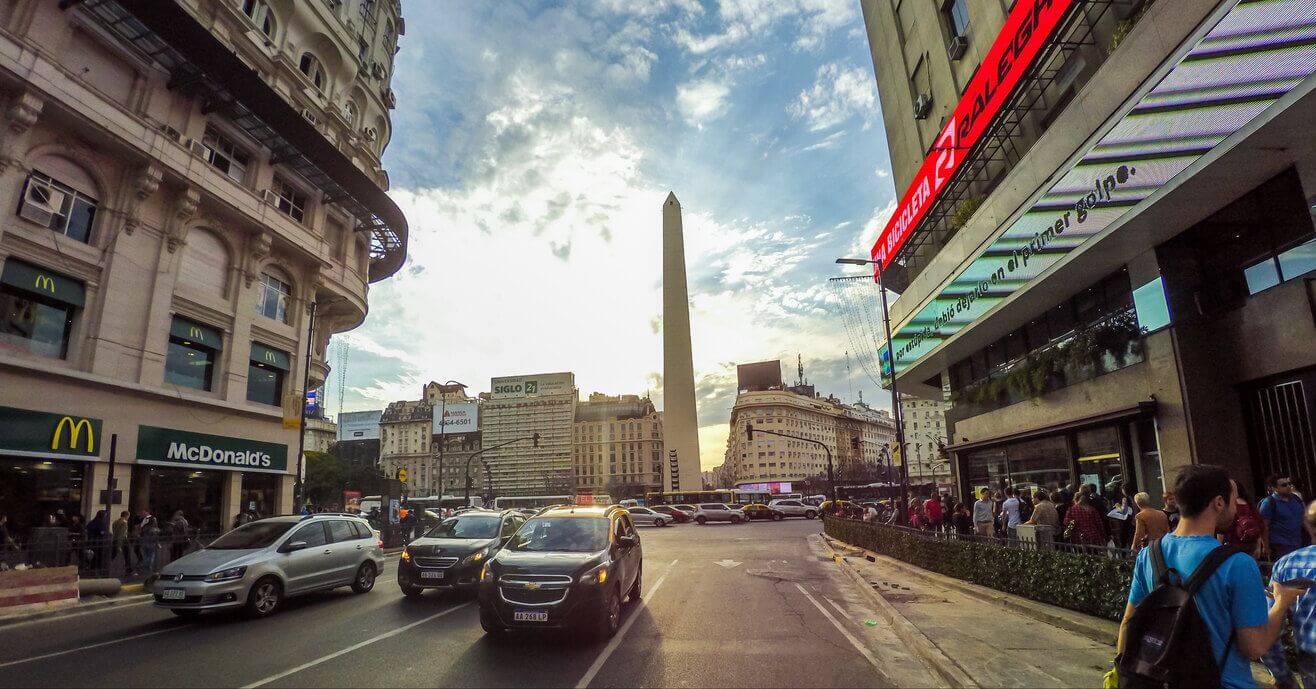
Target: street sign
x,y
402,475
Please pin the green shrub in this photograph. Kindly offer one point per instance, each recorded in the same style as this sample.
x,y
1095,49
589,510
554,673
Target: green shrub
x,y
1090,584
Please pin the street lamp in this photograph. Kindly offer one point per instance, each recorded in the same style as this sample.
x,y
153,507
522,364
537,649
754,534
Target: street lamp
x,y
903,507
443,420
534,437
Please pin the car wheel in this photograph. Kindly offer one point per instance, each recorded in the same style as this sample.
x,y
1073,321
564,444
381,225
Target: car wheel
x,y
264,598
776,517
365,578
735,520
186,614
490,624
810,514
700,520
609,617
410,590
633,596
659,522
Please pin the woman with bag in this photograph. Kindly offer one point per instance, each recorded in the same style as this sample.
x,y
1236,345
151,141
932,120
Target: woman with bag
x,y
1248,531
1083,523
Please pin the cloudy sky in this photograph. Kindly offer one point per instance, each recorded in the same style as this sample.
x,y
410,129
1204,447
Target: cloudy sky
x,y
534,145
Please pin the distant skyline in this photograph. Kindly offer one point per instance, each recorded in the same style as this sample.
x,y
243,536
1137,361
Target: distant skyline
x,y
533,146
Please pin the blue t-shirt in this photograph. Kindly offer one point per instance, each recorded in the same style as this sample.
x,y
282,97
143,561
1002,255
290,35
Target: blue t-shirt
x,y
1300,563
1285,518
1234,597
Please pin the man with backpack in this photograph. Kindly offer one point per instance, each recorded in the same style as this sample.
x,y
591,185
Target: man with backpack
x,y
1197,610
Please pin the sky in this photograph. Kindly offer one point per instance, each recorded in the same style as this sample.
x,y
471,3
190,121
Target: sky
x,y
533,146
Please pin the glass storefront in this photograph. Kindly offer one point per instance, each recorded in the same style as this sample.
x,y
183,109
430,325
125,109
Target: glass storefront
x,y
31,490
1030,464
198,494
260,493
1093,456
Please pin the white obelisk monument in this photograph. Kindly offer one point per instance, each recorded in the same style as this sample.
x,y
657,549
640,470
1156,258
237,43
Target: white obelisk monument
x,y
680,425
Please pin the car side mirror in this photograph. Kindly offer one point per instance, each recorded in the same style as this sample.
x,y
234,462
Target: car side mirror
x,y
627,541
293,546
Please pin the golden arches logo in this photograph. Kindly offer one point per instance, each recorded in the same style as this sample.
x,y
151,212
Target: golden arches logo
x,y
269,355
195,333
75,432
44,282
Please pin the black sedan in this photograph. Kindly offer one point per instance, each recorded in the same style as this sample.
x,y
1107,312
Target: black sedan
x,y
678,516
450,555
761,511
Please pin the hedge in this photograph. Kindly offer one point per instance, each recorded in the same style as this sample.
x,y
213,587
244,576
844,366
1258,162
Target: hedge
x,y
1090,584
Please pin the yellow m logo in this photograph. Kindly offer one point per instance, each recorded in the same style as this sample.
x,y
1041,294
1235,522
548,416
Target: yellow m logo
x,y
195,333
269,356
44,282
75,432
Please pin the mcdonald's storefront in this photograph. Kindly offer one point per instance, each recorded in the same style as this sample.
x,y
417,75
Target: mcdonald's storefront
x,y
44,464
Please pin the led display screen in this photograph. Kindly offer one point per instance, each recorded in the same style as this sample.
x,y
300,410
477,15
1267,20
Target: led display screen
x,y
1253,55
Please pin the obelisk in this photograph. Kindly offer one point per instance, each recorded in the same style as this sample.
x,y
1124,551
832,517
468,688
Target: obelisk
x,y
680,424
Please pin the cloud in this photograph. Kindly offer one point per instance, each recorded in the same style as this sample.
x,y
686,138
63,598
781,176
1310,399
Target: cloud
x,y
830,141
741,20
838,94
702,101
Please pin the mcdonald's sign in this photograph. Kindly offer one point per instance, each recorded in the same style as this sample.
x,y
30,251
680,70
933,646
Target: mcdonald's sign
x,y
30,433
44,283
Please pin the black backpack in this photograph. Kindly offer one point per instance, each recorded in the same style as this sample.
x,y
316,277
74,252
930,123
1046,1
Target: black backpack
x,y
1167,644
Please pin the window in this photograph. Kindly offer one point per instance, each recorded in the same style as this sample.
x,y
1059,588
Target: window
x,y
272,300
225,156
957,14
350,112
311,67
36,310
341,531
312,535
193,349
204,265
260,15
1290,264
1152,309
54,204
266,372
289,200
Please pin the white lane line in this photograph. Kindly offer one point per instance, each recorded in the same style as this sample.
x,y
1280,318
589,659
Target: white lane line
x,y
621,634
87,648
858,645
353,647
106,608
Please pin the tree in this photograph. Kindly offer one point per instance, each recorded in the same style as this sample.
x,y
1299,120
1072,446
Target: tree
x,y
326,475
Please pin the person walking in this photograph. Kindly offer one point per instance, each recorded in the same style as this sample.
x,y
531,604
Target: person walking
x,y
961,520
9,550
1299,564
1171,509
119,533
149,541
984,514
1010,513
77,531
179,531
932,511
1149,523
1044,511
1247,531
1232,602
1083,524
1282,511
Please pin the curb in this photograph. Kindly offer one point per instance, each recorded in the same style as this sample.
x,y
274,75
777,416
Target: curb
x,y
931,654
79,608
1103,632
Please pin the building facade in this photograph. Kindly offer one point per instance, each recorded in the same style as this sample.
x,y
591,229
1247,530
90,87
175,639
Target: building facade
x,y
516,408
188,181
618,449
1116,280
405,442
926,440
321,434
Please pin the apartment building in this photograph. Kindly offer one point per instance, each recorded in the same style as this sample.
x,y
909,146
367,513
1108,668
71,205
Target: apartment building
x,y
618,449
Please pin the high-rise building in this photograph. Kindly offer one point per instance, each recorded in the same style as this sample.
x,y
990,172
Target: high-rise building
x,y
405,439
926,440
618,446
515,409
186,181
681,434
1104,239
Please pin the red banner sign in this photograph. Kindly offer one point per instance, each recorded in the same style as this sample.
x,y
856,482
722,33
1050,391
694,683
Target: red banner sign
x,y
1026,30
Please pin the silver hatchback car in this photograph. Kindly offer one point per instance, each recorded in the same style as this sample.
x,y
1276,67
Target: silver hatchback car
x,y
258,565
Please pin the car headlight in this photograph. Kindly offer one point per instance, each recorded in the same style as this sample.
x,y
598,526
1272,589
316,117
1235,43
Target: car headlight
x,y
406,555
230,574
484,573
475,557
598,575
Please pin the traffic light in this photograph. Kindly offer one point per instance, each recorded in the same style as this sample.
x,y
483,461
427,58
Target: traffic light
x,y
402,474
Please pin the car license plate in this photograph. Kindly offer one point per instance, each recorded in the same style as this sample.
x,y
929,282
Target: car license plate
x,y
174,594
529,616
431,575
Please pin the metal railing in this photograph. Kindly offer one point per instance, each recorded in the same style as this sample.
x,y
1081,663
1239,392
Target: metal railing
x,y
1046,544
128,559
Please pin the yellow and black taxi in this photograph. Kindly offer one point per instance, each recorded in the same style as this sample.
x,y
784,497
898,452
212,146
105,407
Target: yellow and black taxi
x,y
569,567
758,510
451,555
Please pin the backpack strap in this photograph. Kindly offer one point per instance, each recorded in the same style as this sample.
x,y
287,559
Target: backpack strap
x,y
1157,559
1208,567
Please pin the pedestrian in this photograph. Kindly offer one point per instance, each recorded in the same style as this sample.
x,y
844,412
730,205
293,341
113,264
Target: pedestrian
x,y
1123,525
1171,509
984,513
1282,512
1083,524
1025,504
135,533
1010,513
150,542
870,514
1097,503
960,519
1299,564
1247,531
241,520
932,511
119,532
10,553
98,540
1044,511
77,532
1149,523
1063,500
179,531
1232,602
948,503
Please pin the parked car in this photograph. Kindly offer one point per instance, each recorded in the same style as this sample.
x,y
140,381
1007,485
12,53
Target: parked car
x,y
678,516
688,509
258,565
718,512
794,508
450,555
644,515
570,567
761,511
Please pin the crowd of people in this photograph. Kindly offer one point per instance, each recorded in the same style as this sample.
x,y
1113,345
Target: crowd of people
x,y
133,544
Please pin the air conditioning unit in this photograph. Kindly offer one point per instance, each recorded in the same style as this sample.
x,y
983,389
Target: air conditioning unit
x,y
310,116
198,149
41,202
171,132
268,196
958,45
922,105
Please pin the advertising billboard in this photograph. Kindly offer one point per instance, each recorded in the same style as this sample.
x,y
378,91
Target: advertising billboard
x,y
533,386
457,417
359,425
775,487
1220,81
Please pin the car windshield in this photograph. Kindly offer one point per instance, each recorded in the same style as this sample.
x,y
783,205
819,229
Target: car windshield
x,y
466,526
569,534
252,536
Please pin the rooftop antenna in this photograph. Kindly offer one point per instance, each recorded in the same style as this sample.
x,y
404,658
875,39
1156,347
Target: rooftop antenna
x,y
343,348
849,377
799,379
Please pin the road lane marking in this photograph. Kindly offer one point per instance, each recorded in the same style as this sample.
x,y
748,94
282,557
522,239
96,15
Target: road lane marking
x,y
858,645
87,648
105,608
621,634
353,647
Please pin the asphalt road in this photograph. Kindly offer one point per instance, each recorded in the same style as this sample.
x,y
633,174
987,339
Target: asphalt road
x,y
750,605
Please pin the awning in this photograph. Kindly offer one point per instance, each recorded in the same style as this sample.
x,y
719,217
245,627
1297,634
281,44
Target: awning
x,y
270,357
203,335
42,282
1144,410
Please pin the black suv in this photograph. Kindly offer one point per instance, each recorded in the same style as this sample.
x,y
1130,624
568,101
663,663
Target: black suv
x,y
569,567
450,555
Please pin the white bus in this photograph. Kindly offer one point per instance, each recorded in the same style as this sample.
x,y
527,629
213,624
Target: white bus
x,y
512,502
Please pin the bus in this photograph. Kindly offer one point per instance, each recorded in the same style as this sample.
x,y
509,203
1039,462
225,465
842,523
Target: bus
x,y
513,502
730,496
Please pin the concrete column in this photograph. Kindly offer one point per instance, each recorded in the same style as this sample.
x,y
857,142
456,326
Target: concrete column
x,y
230,499
283,501
680,422
1173,430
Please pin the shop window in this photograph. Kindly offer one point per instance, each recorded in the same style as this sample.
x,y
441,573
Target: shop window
x,y
225,156
288,199
272,299
193,351
54,204
265,374
37,309
34,491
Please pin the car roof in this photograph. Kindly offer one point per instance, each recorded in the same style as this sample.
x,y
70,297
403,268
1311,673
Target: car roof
x,y
582,511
